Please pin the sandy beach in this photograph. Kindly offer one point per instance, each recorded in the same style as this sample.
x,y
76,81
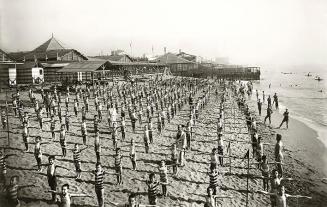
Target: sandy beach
x,y
302,152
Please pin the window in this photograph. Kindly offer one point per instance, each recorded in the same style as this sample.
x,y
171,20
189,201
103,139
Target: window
x,y
41,71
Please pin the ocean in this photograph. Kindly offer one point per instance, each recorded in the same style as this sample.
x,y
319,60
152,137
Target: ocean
x,y
302,95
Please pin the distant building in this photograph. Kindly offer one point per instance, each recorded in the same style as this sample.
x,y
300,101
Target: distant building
x,y
178,65
187,56
222,60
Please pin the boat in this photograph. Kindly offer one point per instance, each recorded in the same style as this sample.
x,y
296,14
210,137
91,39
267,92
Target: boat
x,y
308,74
318,78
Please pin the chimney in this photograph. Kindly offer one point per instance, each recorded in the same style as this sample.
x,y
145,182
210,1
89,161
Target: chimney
x,y
165,50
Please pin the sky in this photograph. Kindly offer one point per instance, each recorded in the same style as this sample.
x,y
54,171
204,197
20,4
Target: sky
x,y
249,32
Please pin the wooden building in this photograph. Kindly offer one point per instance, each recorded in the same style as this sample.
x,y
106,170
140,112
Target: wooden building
x,y
177,65
51,55
82,71
30,73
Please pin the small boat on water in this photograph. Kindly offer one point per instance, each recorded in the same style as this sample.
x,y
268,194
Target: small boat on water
x,y
309,74
317,78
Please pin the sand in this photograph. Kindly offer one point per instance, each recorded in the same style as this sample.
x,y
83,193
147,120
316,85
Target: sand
x,y
188,188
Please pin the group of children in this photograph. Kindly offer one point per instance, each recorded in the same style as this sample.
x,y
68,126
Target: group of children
x,y
144,106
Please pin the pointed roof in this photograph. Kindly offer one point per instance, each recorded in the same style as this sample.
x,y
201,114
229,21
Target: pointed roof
x,y
51,44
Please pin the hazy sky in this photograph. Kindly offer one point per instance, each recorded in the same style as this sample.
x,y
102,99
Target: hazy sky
x,y
248,31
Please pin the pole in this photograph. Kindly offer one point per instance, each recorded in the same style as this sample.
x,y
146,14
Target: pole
x,y
230,158
7,118
247,180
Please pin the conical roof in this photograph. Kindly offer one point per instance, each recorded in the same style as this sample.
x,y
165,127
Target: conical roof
x,y
51,44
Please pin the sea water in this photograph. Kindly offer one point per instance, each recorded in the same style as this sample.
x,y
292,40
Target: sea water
x,y
302,95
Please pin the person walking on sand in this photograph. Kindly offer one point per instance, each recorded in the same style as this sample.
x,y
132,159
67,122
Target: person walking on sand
x,y
269,101
263,96
268,116
275,100
285,119
259,106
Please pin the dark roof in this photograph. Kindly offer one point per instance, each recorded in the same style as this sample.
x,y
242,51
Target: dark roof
x,y
50,55
135,63
170,58
51,44
112,57
85,66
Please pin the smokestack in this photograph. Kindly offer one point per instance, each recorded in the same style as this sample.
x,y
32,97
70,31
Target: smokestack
x,y
165,50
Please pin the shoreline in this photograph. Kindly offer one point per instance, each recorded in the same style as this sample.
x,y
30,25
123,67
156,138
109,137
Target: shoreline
x,y
302,148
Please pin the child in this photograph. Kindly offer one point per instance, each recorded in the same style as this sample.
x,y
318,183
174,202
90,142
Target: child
x,y
146,138
118,166
63,140
12,191
3,165
97,146
65,196
52,175
38,151
96,123
84,131
99,173
67,121
25,136
40,117
77,160
152,189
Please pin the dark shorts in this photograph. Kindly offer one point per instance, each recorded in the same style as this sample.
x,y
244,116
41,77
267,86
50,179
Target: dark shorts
x,y
78,166
220,150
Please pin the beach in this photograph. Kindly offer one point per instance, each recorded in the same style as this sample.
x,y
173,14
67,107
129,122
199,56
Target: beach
x,y
188,188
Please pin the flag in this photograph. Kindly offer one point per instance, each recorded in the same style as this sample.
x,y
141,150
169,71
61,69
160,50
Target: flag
x,y
247,155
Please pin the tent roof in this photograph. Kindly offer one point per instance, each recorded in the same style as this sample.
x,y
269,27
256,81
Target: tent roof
x,y
51,44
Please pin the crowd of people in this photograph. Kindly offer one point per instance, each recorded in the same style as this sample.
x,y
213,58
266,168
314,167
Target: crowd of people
x,y
148,107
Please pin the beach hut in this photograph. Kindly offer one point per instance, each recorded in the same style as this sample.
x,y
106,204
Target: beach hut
x,y
30,73
82,71
178,65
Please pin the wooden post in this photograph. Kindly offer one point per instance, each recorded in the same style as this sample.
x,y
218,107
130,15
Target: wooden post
x,y
247,179
230,158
